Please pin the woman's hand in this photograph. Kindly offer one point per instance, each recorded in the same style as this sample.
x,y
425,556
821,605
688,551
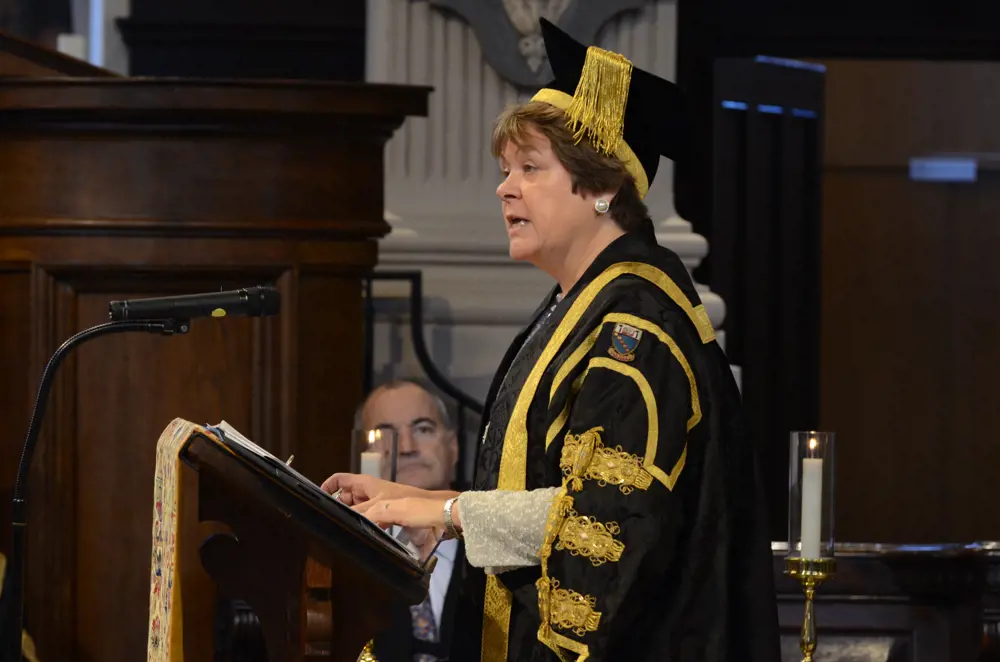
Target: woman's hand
x,y
412,512
358,488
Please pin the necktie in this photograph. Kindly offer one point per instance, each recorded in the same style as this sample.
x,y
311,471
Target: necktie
x,y
424,627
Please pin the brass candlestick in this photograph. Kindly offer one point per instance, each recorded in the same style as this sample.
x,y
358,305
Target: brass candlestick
x,y
811,573
810,521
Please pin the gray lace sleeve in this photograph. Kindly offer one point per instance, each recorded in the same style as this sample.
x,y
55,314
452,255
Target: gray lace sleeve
x,y
503,530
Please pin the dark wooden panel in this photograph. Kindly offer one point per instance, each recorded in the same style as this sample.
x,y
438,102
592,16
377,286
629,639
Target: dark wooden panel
x,y
15,344
121,178
205,376
331,340
881,114
128,187
886,355
971,448
909,277
90,508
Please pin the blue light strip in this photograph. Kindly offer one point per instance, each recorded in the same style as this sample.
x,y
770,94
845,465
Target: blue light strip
x,y
791,64
770,109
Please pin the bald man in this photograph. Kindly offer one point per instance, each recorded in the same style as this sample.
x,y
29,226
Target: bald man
x,y
427,458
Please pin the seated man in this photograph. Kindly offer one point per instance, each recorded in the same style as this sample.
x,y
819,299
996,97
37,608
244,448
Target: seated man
x,y
427,458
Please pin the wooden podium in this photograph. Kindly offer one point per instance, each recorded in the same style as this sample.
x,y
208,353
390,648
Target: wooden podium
x,y
278,526
115,188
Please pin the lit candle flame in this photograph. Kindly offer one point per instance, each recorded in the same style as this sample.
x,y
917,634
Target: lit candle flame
x,y
813,443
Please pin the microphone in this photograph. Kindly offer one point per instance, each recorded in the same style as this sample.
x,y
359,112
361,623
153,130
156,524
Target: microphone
x,y
252,301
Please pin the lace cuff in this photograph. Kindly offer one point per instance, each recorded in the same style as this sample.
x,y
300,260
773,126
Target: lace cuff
x,y
504,530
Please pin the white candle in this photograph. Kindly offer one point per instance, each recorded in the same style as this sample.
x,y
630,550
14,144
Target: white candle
x,y
812,506
371,464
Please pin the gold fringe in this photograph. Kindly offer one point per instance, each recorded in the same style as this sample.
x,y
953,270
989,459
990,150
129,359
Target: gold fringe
x,y
598,107
562,101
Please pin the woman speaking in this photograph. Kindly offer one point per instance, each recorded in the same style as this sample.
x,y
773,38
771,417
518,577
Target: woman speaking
x,y
616,512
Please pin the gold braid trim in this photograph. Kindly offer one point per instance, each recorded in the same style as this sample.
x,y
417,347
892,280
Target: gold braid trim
x,y
584,456
598,107
569,610
368,653
580,536
585,536
551,603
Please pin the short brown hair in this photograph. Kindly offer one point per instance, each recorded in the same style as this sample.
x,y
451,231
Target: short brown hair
x,y
589,171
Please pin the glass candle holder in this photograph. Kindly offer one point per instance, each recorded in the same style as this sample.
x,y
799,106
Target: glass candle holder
x,y
375,452
810,495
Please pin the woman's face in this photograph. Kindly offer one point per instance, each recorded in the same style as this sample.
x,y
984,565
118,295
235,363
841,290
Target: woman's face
x,y
543,216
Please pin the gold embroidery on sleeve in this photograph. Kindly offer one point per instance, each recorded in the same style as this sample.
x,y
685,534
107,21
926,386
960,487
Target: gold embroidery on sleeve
x,y
569,610
584,457
555,641
566,530
585,536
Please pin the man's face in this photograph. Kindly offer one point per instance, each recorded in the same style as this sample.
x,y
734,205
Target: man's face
x,y
427,451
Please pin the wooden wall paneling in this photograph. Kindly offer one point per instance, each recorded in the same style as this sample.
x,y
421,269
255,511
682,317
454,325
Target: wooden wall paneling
x,y
882,113
50,491
113,188
971,442
90,508
885,357
909,324
331,340
93,470
15,316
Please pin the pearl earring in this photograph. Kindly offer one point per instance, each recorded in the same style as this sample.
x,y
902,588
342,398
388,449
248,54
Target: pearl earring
x,y
601,205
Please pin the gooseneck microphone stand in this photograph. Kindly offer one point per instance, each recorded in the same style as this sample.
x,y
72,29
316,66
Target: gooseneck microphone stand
x,y
13,595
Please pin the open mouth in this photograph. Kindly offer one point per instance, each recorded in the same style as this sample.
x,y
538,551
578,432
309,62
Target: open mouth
x,y
516,222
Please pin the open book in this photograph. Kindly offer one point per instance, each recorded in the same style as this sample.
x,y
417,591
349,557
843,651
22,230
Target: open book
x,y
283,469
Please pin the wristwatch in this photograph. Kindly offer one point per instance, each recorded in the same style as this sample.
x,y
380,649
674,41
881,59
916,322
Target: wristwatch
x,y
449,523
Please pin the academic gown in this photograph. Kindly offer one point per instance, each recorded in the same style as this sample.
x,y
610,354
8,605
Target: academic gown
x,y
656,547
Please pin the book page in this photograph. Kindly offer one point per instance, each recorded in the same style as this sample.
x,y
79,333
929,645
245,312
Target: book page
x,y
236,436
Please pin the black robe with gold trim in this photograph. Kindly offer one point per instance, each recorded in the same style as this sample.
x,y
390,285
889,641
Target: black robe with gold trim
x,y
657,546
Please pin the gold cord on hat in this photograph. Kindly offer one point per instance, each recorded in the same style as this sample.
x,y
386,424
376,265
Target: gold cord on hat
x,y
598,107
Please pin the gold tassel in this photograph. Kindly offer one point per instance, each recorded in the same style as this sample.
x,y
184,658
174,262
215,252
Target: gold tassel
x,y
598,107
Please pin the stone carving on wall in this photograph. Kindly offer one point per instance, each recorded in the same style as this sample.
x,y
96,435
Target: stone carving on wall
x,y
509,34
524,14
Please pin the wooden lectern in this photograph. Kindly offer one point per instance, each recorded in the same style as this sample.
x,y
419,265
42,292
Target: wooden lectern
x,y
115,188
278,526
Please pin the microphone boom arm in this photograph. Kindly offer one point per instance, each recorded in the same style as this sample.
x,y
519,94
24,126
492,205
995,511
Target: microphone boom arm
x,y
12,625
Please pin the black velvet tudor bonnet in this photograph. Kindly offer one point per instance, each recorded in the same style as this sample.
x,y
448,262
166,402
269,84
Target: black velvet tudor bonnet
x,y
624,111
